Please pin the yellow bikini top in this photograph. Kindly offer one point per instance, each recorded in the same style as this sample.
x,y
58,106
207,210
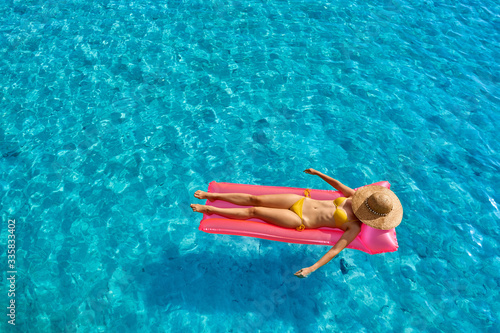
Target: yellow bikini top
x,y
340,215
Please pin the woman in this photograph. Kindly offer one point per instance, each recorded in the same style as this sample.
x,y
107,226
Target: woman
x,y
375,206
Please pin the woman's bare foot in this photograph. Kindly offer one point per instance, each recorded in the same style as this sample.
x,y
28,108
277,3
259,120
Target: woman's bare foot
x,y
200,208
203,195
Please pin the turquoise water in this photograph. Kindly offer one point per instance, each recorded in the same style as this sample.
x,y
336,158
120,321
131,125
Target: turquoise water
x,y
114,112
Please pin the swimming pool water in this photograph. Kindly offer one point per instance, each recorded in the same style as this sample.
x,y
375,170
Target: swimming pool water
x,y
115,112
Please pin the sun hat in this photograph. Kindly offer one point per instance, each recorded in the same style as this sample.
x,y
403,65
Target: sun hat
x,y
377,207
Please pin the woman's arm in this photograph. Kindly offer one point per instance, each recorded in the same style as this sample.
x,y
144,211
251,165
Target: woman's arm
x,y
347,191
348,236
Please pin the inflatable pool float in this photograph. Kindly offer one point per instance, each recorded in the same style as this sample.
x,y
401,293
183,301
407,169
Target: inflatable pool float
x,y
369,240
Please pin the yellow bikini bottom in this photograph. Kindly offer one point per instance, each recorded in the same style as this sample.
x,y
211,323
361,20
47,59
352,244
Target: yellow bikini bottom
x,y
297,208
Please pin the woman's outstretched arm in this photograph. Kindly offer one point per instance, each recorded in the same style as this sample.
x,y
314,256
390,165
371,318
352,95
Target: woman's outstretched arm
x,y
346,190
348,236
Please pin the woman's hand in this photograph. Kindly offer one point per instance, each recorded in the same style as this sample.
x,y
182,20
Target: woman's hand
x,y
304,272
311,171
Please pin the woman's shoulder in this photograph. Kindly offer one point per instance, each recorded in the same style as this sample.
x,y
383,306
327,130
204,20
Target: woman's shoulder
x,y
355,224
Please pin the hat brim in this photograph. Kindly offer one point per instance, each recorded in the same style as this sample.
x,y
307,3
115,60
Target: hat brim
x,y
390,221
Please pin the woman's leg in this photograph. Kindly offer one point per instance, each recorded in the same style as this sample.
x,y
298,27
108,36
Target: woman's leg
x,y
283,201
281,217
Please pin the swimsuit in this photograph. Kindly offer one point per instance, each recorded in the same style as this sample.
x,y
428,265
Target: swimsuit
x,y
340,215
297,209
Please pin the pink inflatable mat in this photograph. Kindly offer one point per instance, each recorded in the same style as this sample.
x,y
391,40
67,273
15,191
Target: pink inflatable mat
x,y
369,240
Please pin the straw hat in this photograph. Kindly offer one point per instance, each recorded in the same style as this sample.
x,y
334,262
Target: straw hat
x,y
377,207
